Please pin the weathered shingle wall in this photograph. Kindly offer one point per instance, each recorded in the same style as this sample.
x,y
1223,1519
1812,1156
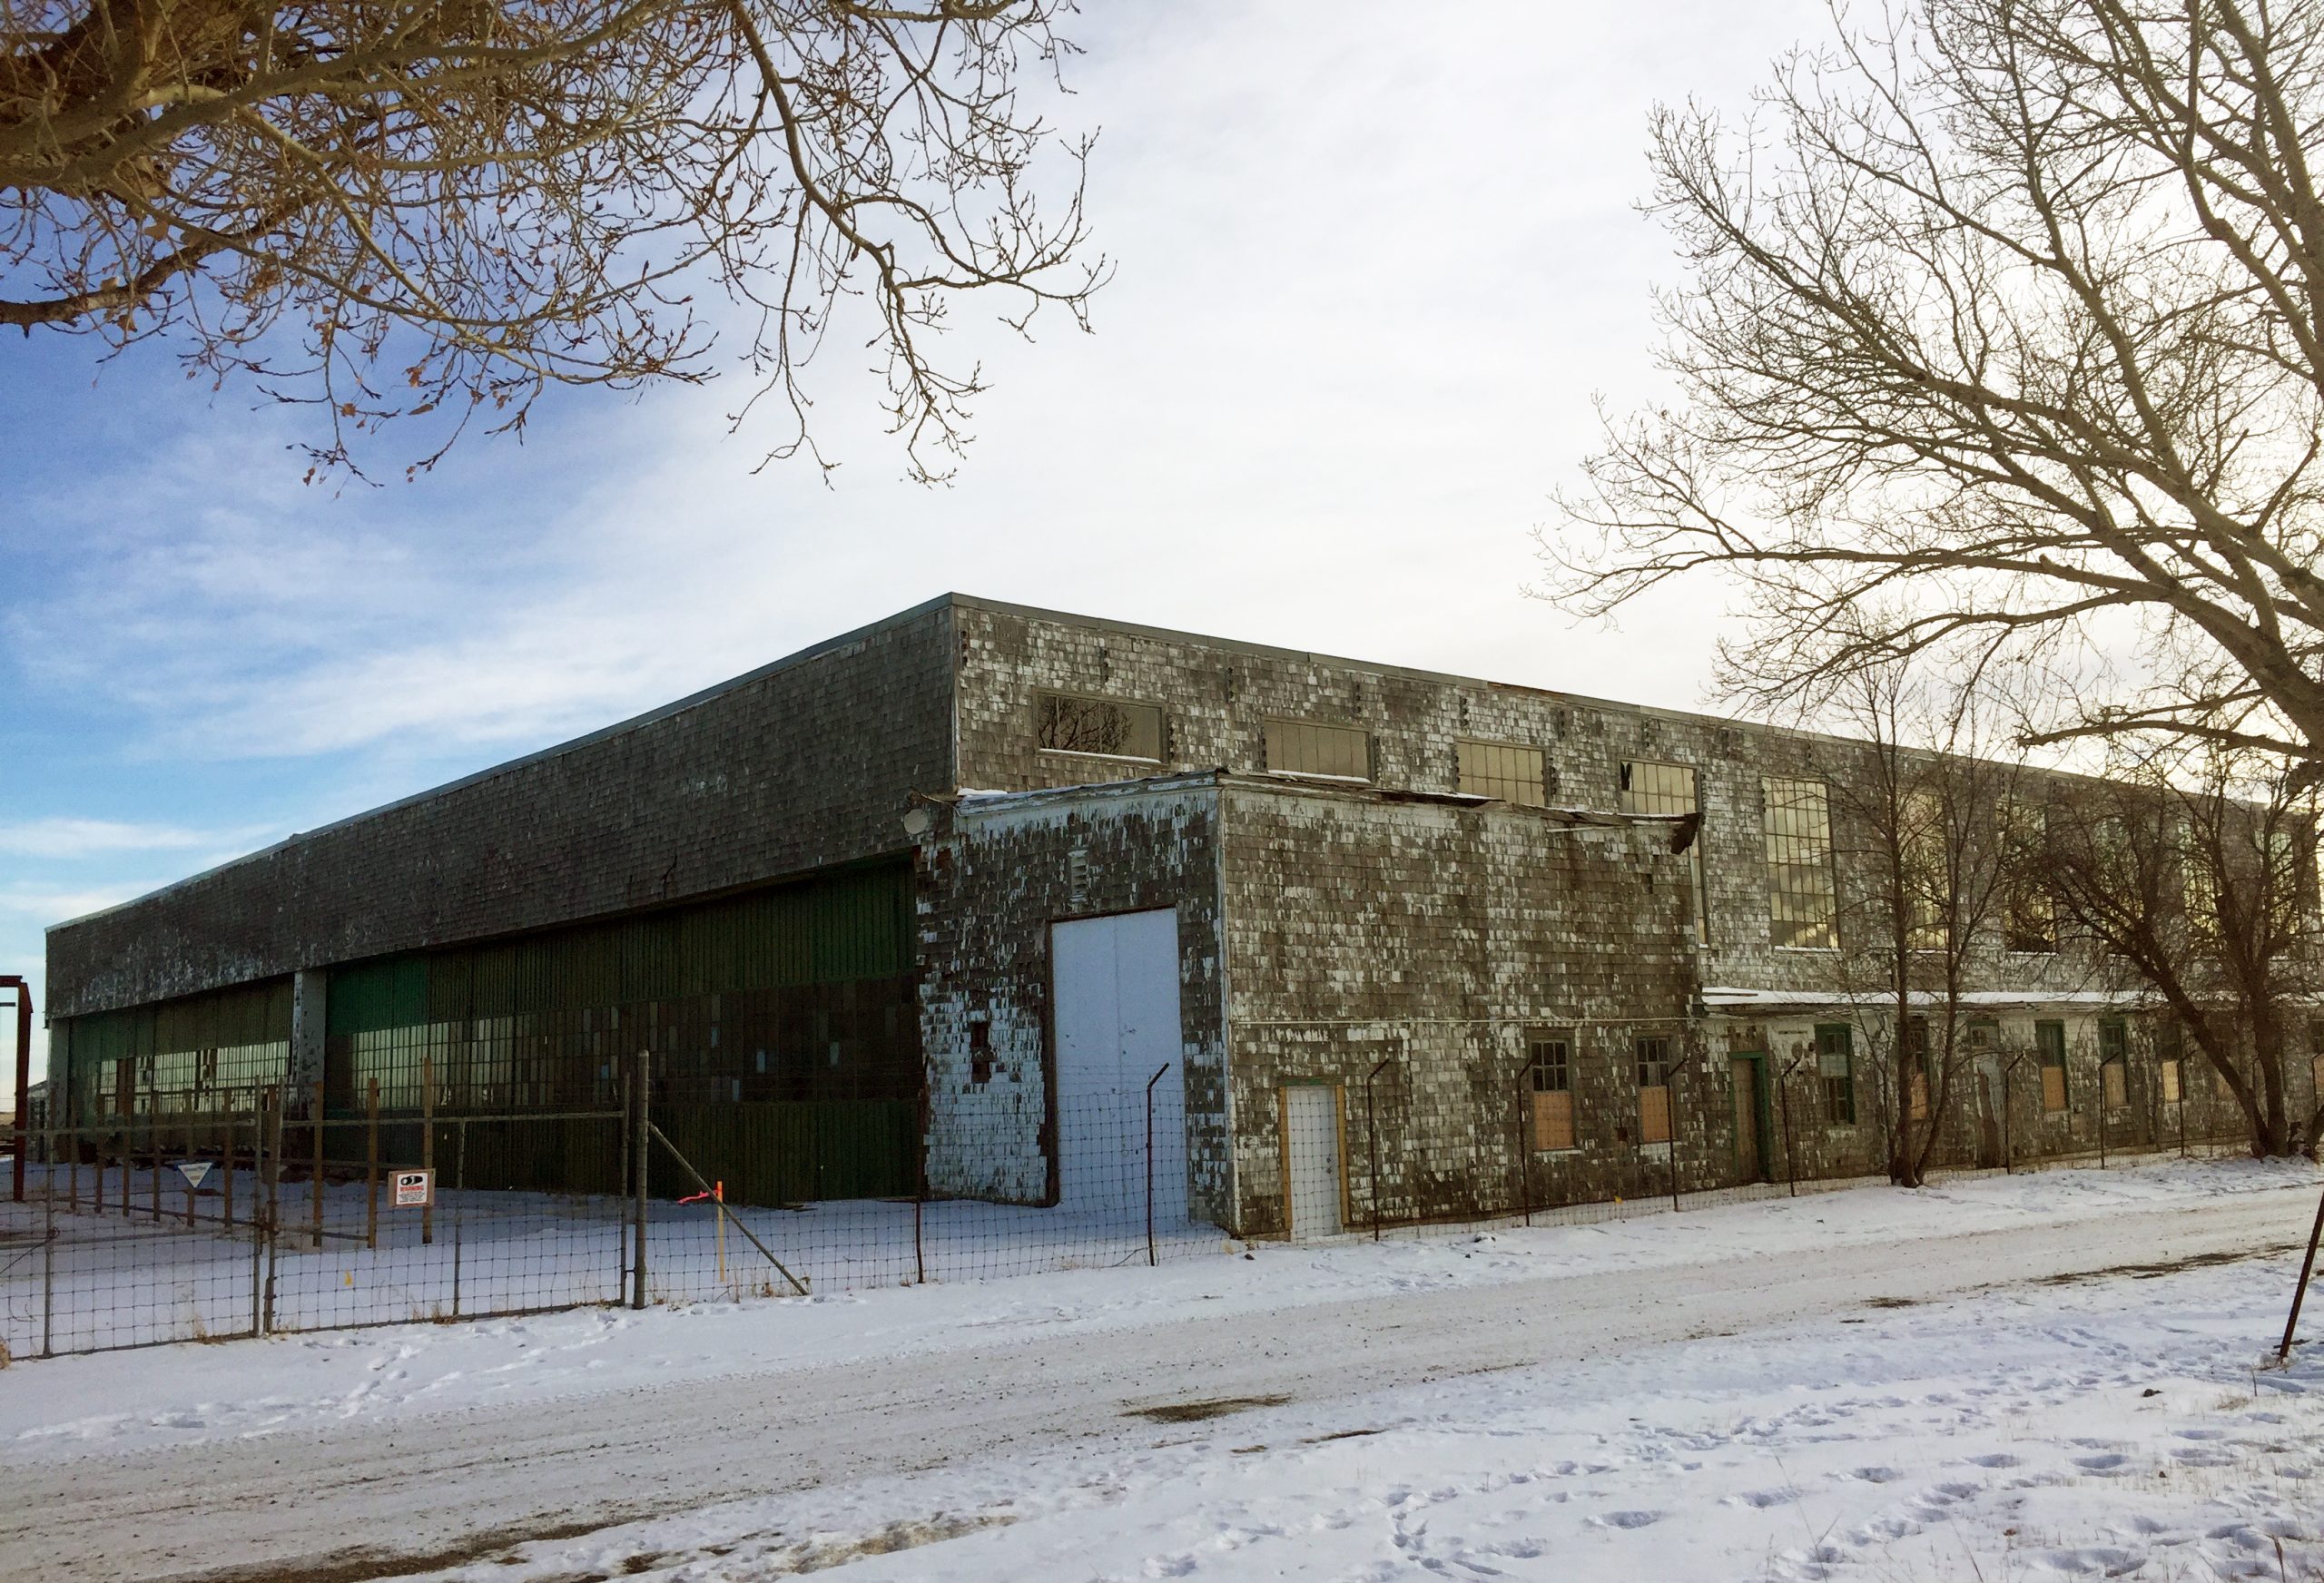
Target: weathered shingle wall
x,y
991,883
1362,929
806,763
1218,695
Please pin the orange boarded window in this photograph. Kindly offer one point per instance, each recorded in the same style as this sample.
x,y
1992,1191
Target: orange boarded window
x,y
1550,1076
1654,1090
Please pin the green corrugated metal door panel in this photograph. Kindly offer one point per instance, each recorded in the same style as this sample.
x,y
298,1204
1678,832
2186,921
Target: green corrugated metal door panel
x,y
860,924
376,995
251,1013
863,1149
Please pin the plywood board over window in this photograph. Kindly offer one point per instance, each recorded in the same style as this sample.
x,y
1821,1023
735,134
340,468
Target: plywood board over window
x,y
1653,1055
1548,1072
2050,1043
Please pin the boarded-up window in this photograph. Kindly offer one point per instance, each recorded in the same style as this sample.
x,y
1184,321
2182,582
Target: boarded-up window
x,y
1299,747
2168,1054
2114,1063
1502,770
1668,790
1799,828
1836,1070
2169,1070
1549,1076
1066,723
2050,1043
1653,1090
2315,1076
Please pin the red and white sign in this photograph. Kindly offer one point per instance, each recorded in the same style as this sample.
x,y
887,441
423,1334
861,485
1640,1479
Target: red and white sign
x,y
415,1189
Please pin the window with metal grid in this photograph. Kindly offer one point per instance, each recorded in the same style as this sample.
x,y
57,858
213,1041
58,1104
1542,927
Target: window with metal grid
x,y
1801,898
1300,747
1835,1069
1504,770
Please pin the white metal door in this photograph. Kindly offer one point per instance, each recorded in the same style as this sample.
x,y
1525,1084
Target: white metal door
x,y
1311,1132
1116,1008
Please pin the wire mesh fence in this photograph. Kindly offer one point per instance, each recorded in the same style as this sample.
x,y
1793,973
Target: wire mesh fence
x,y
271,1211
179,1224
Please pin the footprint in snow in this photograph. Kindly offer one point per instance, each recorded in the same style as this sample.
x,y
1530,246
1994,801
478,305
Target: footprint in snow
x,y
1760,1498
1626,1519
1994,1460
1876,1475
2110,1462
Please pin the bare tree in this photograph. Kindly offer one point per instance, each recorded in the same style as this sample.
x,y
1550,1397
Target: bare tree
x,y
393,212
2008,320
2196,874
1922,889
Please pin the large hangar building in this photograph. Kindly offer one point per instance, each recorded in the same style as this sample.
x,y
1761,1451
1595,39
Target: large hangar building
x,y
936,901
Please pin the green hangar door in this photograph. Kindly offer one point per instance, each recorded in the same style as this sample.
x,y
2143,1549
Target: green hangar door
x,y
1114,994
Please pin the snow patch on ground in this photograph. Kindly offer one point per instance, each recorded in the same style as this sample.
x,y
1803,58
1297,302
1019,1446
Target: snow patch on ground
x,y
2119,1427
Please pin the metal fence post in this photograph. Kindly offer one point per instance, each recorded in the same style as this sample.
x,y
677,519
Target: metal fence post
x,y
315,1195
1371,1137
273,1203
920,1187
2307,1267
371,1165
47,1256
1525,1145
641,1100
1790,1153
428,1146
1151,1259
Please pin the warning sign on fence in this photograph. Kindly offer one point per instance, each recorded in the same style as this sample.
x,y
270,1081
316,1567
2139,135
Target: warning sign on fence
x,y
415,1189
193,1171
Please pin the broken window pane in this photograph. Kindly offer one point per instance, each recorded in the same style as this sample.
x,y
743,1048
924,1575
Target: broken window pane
x,y
1069,723
1298,747
1798,826
1670,789
1501,770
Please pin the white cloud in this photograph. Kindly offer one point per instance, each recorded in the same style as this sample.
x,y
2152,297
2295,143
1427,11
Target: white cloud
x,y
66,837
1371,275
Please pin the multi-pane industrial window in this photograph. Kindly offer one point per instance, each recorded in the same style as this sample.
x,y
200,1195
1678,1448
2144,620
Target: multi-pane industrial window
x,y
1836,1070
2114,1063
1669,789
1922,848
2050,1045
1299,747
1549,1071
1653,1089
2029,918
1068,723
1800,903
1502,770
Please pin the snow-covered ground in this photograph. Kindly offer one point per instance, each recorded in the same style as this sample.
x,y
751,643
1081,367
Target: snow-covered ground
x,y
1871,1383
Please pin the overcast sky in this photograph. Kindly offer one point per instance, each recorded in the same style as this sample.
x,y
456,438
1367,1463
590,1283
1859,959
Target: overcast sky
x,y
1374,270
